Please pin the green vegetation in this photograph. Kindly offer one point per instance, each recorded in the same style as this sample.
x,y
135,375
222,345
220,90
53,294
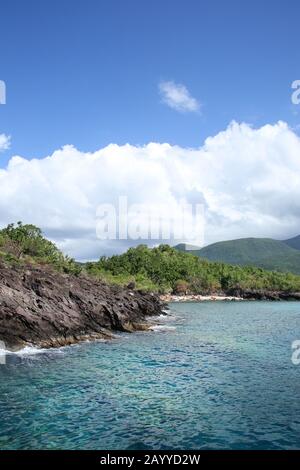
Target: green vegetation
x,y
25,243
162,269
165,269
265,253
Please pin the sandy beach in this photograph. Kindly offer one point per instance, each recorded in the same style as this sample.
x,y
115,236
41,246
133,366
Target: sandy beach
x,y
197,298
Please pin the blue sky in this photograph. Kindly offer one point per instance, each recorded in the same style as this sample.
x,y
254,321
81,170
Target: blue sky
x,y
87,72
97,74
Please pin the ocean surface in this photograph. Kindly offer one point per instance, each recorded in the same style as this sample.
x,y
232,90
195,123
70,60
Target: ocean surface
x,y
213,375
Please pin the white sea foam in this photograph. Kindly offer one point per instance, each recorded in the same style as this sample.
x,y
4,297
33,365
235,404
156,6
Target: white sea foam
x,y
29,351
162,328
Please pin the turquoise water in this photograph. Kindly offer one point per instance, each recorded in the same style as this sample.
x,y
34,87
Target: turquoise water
x,y
214,376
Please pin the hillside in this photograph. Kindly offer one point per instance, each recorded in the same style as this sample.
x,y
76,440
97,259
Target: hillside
x,y
293,242
262,252
164,269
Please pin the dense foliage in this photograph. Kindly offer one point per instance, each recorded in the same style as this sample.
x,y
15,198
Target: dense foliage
x,y
161,269
26,243
165,269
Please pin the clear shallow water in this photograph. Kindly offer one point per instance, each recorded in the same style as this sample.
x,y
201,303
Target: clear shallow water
x,y
218,376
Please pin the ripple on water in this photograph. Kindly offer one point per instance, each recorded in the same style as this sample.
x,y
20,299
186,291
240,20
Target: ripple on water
x,y
210,375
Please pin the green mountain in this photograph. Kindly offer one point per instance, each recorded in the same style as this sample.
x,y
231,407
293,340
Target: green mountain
x,y
265,253
293,242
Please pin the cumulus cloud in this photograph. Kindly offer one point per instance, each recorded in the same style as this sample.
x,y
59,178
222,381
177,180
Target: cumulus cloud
x,y
4,142
178,97
247,179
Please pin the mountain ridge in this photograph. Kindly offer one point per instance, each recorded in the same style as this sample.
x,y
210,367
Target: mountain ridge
x,y
266,253
293,242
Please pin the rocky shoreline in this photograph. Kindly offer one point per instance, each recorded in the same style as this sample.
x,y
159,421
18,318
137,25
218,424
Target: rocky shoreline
x,y
44,308
41,307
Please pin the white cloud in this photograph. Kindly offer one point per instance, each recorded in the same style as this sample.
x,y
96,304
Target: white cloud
x,y
248,180
178,97
4,142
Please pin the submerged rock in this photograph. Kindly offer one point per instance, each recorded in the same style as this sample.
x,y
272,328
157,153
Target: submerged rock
x,y
41,307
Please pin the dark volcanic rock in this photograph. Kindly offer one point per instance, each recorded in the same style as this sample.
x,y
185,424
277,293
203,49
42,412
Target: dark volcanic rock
x,y
263,294
39,306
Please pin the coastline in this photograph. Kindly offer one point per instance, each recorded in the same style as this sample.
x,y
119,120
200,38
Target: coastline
x,y
243,295
198,298
44,308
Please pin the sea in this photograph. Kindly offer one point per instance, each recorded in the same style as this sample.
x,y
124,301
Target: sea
x,y
209,375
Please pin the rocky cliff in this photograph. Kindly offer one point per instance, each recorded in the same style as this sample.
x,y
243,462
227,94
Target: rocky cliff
x,y
41,307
